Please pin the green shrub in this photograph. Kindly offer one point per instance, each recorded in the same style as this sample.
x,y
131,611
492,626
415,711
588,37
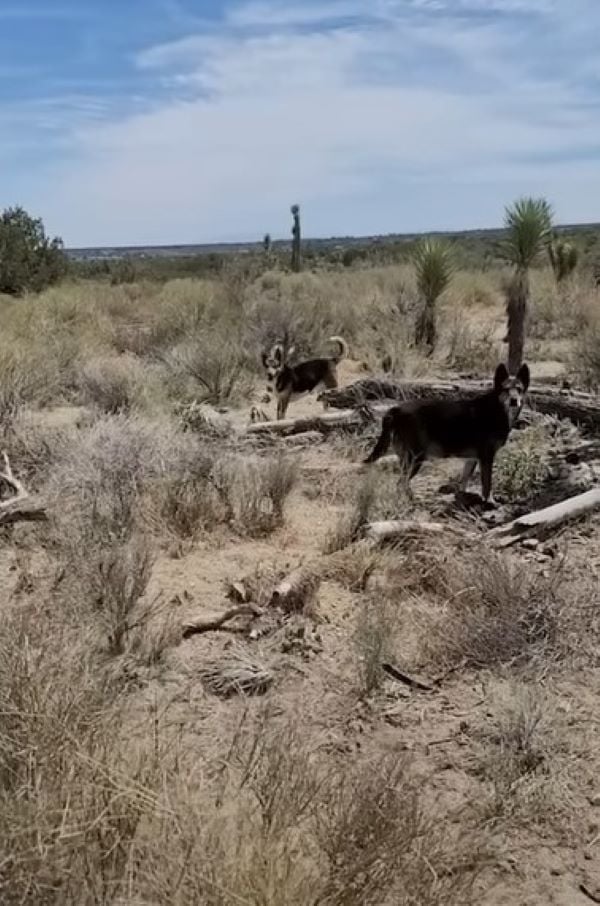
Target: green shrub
x,y
29,260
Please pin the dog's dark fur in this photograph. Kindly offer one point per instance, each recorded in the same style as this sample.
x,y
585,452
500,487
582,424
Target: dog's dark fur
x,y
289,382
472,429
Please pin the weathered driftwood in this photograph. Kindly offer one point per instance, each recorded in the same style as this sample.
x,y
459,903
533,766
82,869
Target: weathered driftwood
x,y
323,423
550,518
581,408
397,528
296,592
210,624
21,507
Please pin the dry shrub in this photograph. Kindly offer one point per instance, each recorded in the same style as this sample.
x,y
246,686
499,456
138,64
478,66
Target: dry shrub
x,y
470,350
211,367
498,612
23,381
586,355
114,385
523,465
254,490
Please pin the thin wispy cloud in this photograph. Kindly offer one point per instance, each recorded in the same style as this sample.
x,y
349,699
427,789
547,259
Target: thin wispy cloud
x,y
377,116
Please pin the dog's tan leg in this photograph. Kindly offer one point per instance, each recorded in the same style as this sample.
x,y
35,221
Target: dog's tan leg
x,y
486,465
468,470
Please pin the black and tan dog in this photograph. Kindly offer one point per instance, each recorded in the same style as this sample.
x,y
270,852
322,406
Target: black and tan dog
x,y
472,429
290,382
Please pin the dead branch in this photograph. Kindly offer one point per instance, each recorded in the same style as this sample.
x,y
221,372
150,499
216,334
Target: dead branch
x,y
218,622
21,507
581,408
547,519
9,478
412,681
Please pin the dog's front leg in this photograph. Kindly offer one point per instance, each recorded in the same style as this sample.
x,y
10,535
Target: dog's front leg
x,y
468,470
486,464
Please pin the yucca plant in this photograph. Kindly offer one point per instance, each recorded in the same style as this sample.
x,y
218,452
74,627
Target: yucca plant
x,y
563,259
528,223
433,266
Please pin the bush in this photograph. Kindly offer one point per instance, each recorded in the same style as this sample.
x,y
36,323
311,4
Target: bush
x,y
112,384
29,260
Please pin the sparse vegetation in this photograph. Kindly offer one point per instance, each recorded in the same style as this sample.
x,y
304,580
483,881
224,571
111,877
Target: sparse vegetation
x,y
141,762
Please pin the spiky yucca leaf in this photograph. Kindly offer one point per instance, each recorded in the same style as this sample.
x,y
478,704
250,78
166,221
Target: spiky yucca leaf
x,y
563,258
433,266
529,225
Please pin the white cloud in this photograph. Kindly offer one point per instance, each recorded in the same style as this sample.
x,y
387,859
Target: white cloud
x,y
402,125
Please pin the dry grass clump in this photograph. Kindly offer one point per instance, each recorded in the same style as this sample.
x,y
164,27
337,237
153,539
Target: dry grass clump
x,y
496,612
236,672
254,490
373,641
520,755
114,384
378,494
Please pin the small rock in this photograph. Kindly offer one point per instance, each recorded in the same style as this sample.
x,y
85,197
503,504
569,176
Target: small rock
x,y
531,543
595,800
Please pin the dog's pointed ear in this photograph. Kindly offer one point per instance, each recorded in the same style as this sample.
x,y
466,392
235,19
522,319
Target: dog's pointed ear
x,y
500,377
278,353
524,376
290,352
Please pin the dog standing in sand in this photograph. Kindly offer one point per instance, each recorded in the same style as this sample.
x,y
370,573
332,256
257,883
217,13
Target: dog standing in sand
x,y
472,429
291,382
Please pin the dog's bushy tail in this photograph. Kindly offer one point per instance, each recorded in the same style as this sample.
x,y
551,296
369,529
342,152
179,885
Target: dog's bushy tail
x,y
342,351
385,438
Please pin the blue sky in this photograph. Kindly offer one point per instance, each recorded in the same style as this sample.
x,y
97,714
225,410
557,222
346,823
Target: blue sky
x,y
167,121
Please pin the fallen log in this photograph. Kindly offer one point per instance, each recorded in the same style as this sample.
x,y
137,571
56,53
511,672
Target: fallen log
x,y
547,519
210,624
322,423
582,409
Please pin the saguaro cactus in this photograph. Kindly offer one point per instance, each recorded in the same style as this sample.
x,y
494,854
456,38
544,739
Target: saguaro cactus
x,y
296,238
267,243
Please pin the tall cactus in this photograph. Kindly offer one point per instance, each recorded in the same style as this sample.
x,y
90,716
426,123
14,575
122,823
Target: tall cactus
x,y
528,225
267,243
296,239
563,258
